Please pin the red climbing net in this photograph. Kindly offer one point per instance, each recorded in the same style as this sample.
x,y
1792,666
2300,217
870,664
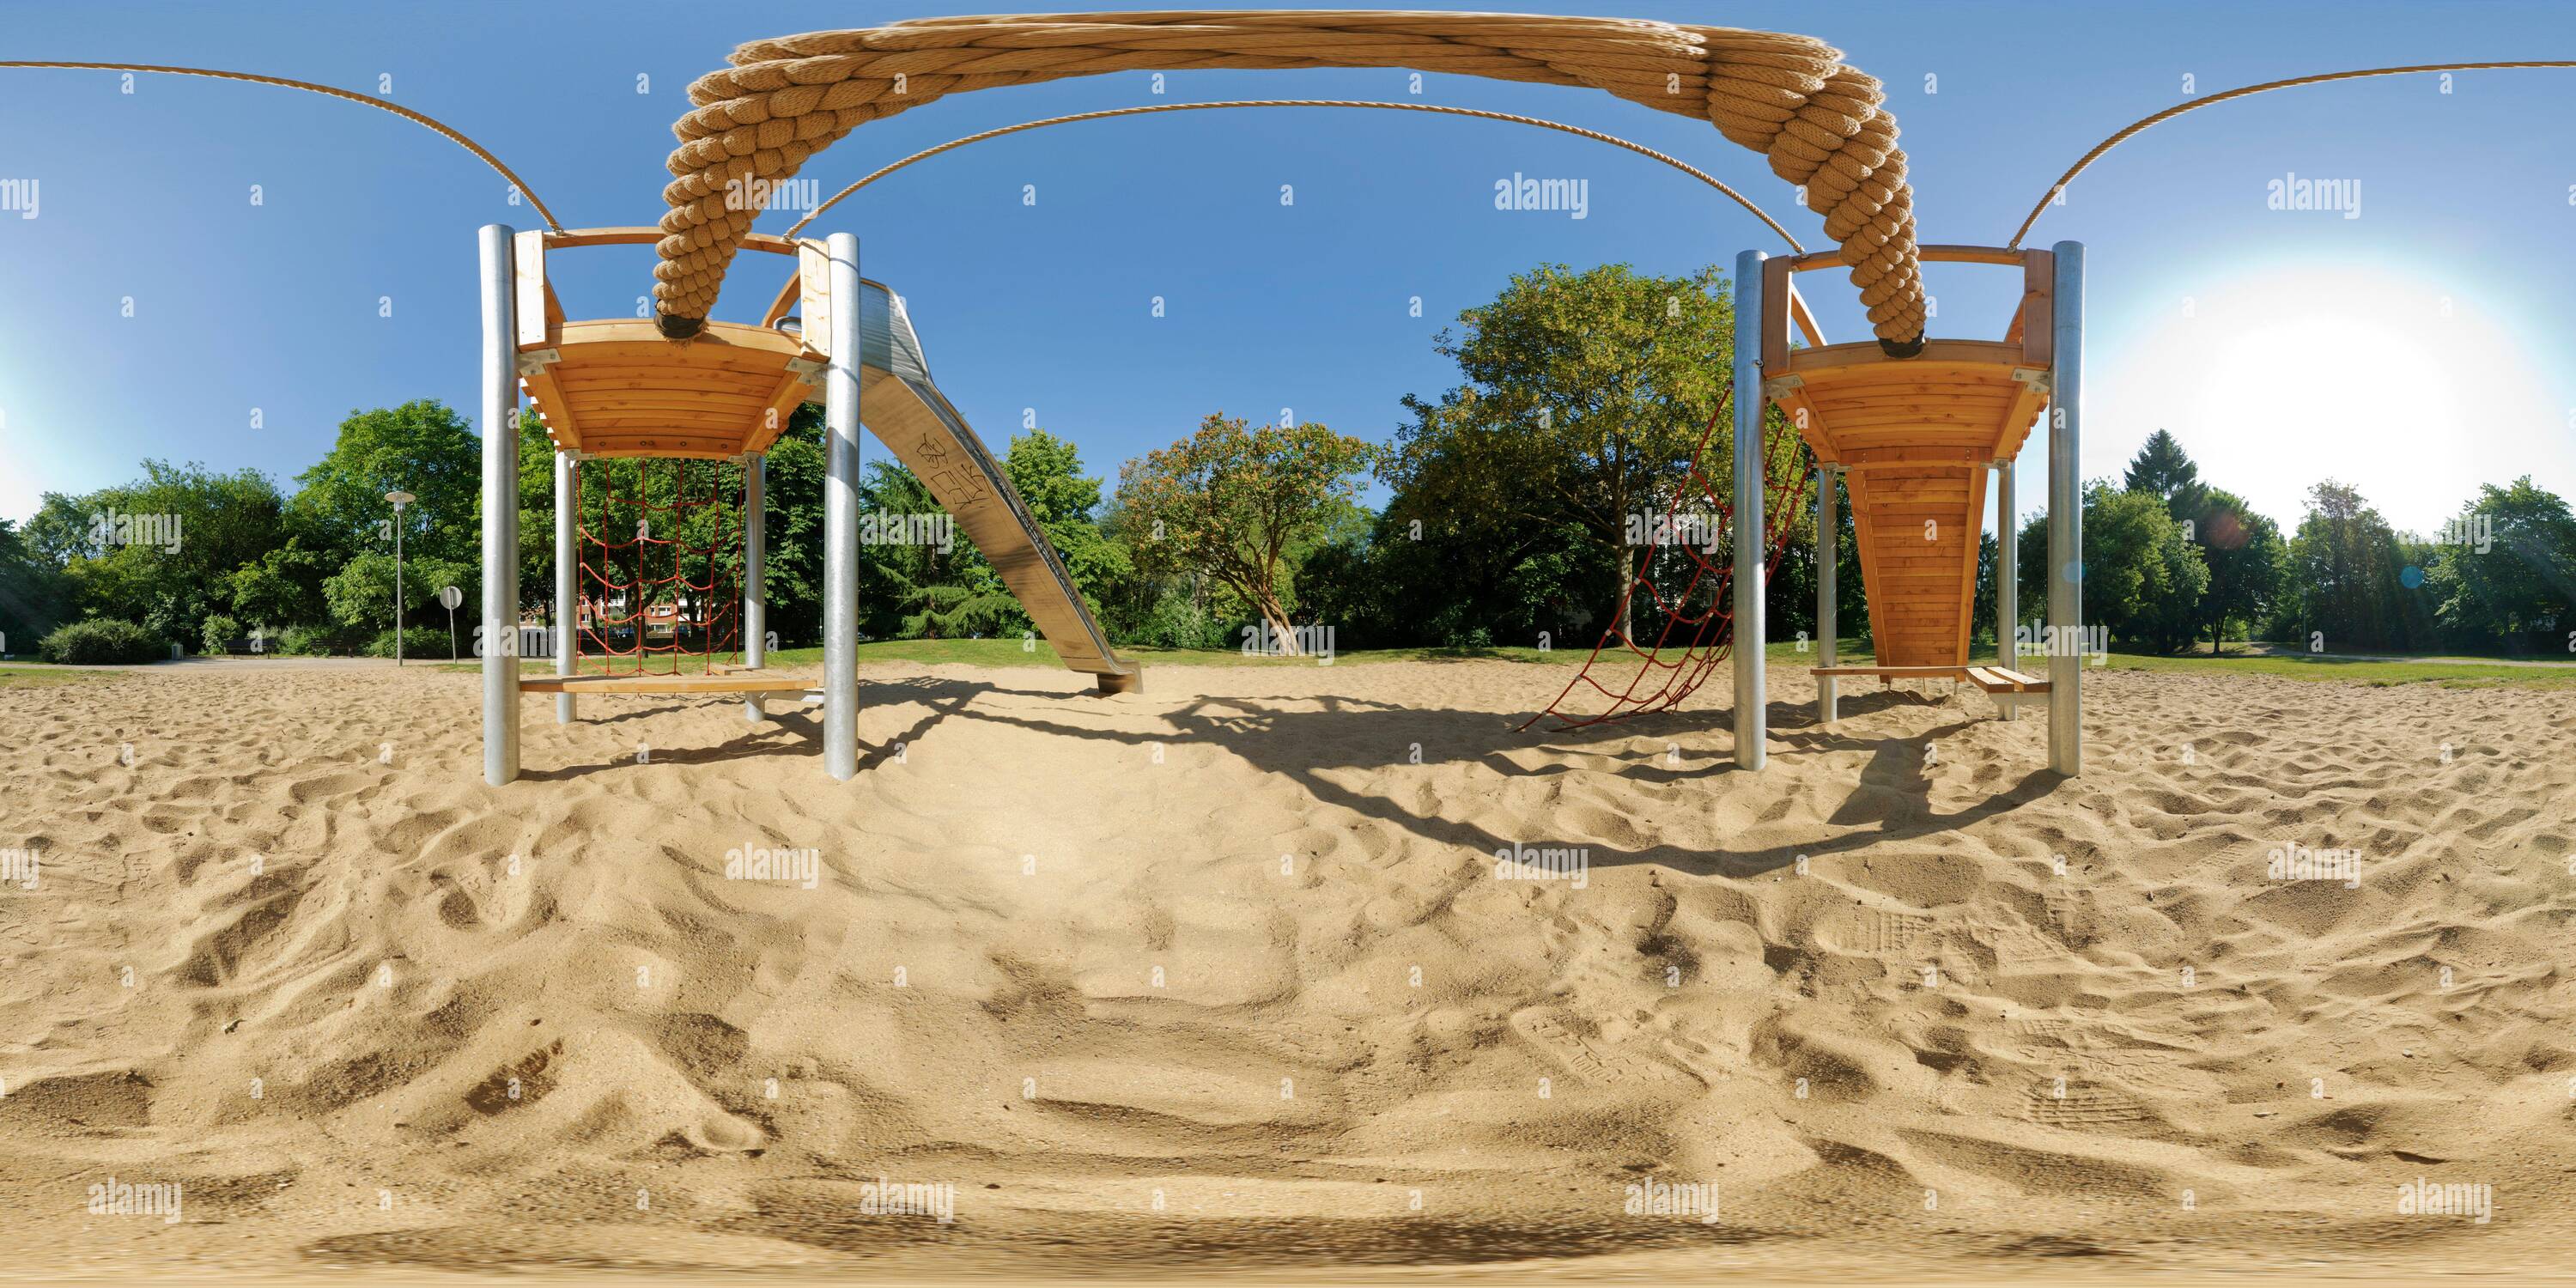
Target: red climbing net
x,y
1698,629
629,617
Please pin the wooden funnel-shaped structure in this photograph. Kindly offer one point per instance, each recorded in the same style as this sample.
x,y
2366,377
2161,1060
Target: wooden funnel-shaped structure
x,y
1913,439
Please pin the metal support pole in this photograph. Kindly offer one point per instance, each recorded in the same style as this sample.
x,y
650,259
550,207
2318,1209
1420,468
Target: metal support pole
x,y
2007,569
500,512
1751,717
1828,618
398,604
567,579
2066,517
841,516
755,558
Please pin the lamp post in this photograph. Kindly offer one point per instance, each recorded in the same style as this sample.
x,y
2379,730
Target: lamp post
x,y
400,499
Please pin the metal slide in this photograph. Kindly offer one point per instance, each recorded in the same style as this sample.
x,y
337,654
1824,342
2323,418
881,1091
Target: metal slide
x,y
899,404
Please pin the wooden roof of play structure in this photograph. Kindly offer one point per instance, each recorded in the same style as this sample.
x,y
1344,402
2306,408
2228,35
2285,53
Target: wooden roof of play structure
x,y
1914,437
618,388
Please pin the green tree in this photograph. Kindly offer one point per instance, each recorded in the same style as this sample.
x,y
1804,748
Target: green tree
x,y
1583,396
2344,575
2504,573
161,551
421,447
2244,553
2141,579
1233,503
34,595
2163,468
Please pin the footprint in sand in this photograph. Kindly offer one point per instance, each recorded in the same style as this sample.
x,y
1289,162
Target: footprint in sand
x,y
1599,1063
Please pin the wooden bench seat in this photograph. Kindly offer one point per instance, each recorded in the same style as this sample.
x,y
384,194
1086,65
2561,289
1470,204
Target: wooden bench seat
x,y
722,682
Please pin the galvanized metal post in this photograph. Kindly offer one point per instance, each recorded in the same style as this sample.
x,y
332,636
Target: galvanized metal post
x,y
567,578
841,515
2066,517
2007,568
755,558
1751,716
1828,617
500,512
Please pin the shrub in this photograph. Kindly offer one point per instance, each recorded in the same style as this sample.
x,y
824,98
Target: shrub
x,y
219,634
304,641
419,641
1177,622
102,641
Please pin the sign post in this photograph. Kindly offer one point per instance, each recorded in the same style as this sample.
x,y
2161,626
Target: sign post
x,y
449,597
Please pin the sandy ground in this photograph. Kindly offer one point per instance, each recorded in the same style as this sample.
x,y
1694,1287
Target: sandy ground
x,y
1223,976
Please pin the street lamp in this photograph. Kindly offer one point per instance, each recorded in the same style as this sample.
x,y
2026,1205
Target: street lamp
x,y
400,499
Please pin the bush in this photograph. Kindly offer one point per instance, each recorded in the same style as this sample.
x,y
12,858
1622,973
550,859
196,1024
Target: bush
x,y
1177,622
102,641
419,641
304,641
218,635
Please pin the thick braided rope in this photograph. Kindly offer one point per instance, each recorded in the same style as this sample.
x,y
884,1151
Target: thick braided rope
x,y
2142,125
1788,97
1153,109
332,91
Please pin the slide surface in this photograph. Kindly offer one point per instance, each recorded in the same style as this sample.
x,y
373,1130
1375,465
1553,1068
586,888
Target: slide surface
x,y
903,407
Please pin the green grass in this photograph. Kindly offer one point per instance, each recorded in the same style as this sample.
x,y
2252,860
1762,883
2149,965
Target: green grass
x,y
1852,651
42,675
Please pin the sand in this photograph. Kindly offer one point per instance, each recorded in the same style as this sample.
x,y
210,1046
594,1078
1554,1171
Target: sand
x,y
1224,975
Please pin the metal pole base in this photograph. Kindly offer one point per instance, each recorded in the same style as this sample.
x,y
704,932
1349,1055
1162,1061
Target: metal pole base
x,y
564,712
1828,700
751,711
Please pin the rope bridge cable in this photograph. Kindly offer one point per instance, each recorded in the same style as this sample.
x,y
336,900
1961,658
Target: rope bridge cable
x,y
432,123
2142,125
1710,637
1820,123
1596,135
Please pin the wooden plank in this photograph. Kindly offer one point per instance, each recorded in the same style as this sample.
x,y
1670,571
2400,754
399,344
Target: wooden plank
x,y
2038,316
641,235
1952,671
528,290
1953,359
562,422
646,685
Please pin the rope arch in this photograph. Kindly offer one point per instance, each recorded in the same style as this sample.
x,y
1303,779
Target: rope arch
x,y
1789,97
1156,108
2143,124
430,123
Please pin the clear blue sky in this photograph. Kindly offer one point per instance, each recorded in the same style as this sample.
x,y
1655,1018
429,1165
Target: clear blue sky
x,y
2415,350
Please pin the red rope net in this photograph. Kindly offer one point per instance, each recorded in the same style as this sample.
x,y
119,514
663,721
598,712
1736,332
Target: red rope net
x,y
631,619
1698,628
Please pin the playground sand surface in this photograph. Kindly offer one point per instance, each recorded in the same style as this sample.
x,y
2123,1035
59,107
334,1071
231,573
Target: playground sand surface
x,y
1221,976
